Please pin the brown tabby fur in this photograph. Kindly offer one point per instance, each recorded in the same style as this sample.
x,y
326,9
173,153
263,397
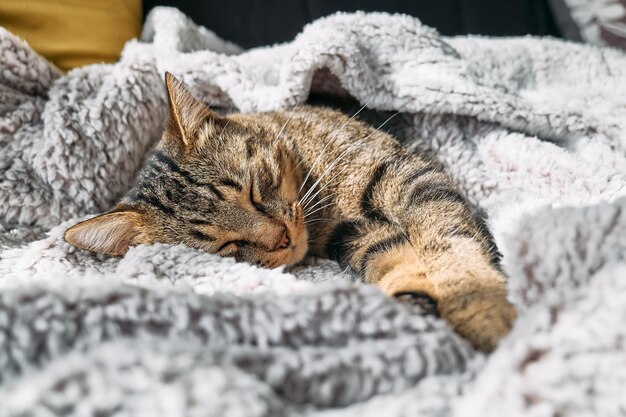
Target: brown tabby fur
x,y
231,185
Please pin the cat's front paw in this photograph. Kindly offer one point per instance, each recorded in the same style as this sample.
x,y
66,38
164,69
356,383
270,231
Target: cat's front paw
x,y
477,309
483,317
419,301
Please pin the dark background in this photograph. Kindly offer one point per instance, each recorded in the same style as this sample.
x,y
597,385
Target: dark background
x,y
263,22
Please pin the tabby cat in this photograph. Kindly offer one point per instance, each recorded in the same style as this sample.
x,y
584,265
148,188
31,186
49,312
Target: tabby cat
x,y
268,188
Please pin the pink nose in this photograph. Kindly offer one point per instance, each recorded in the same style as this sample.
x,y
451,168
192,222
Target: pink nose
x,y
283,242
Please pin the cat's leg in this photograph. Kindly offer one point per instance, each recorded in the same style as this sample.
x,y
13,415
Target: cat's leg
x,y
376,250
443,253
454,273
469,292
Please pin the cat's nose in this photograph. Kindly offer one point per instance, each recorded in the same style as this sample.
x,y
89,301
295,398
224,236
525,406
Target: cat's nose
x,y
283,242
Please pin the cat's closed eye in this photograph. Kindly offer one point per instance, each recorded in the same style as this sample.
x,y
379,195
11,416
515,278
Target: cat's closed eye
x,y
197,234
256,200
233,246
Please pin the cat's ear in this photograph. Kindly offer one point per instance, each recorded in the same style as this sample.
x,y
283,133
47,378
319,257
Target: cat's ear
x,y
111,233
187,114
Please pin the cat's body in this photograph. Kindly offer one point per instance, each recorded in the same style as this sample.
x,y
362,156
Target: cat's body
x,y
267,188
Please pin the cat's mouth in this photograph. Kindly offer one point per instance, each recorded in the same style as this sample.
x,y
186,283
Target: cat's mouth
x,y
294,252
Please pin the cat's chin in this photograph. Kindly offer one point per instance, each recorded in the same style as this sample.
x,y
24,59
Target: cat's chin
x,y
298,253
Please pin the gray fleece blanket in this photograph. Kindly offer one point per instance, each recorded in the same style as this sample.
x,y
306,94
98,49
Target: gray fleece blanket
x,y
534,131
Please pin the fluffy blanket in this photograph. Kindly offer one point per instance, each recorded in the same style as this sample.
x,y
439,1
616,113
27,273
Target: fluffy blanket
x,y
534,130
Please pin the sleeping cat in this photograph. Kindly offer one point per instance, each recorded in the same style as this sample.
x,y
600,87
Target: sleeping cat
x,y
268,188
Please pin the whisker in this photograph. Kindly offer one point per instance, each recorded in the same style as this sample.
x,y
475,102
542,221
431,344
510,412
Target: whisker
x,y
341,156
328,183
334,136
285,125
321,208
331,166
292,169
306,209
307,196
318,221
323,218
223,129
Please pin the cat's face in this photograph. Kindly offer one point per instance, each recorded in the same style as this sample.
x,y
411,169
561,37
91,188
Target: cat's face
x,y
222,185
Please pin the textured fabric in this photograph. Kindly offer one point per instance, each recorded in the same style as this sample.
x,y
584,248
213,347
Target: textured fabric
x,y
73,33
532,129
253,23
600,22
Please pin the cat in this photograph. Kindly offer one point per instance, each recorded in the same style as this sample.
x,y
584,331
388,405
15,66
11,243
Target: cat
x,y
269,188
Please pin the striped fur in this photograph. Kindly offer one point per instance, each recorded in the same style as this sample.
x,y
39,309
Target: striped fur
x,y
267,188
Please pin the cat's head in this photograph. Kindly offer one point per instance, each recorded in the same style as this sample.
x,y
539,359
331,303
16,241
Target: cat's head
x,y
220,184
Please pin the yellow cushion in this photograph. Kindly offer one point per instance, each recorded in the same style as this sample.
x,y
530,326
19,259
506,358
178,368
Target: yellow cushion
x,y
72,33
